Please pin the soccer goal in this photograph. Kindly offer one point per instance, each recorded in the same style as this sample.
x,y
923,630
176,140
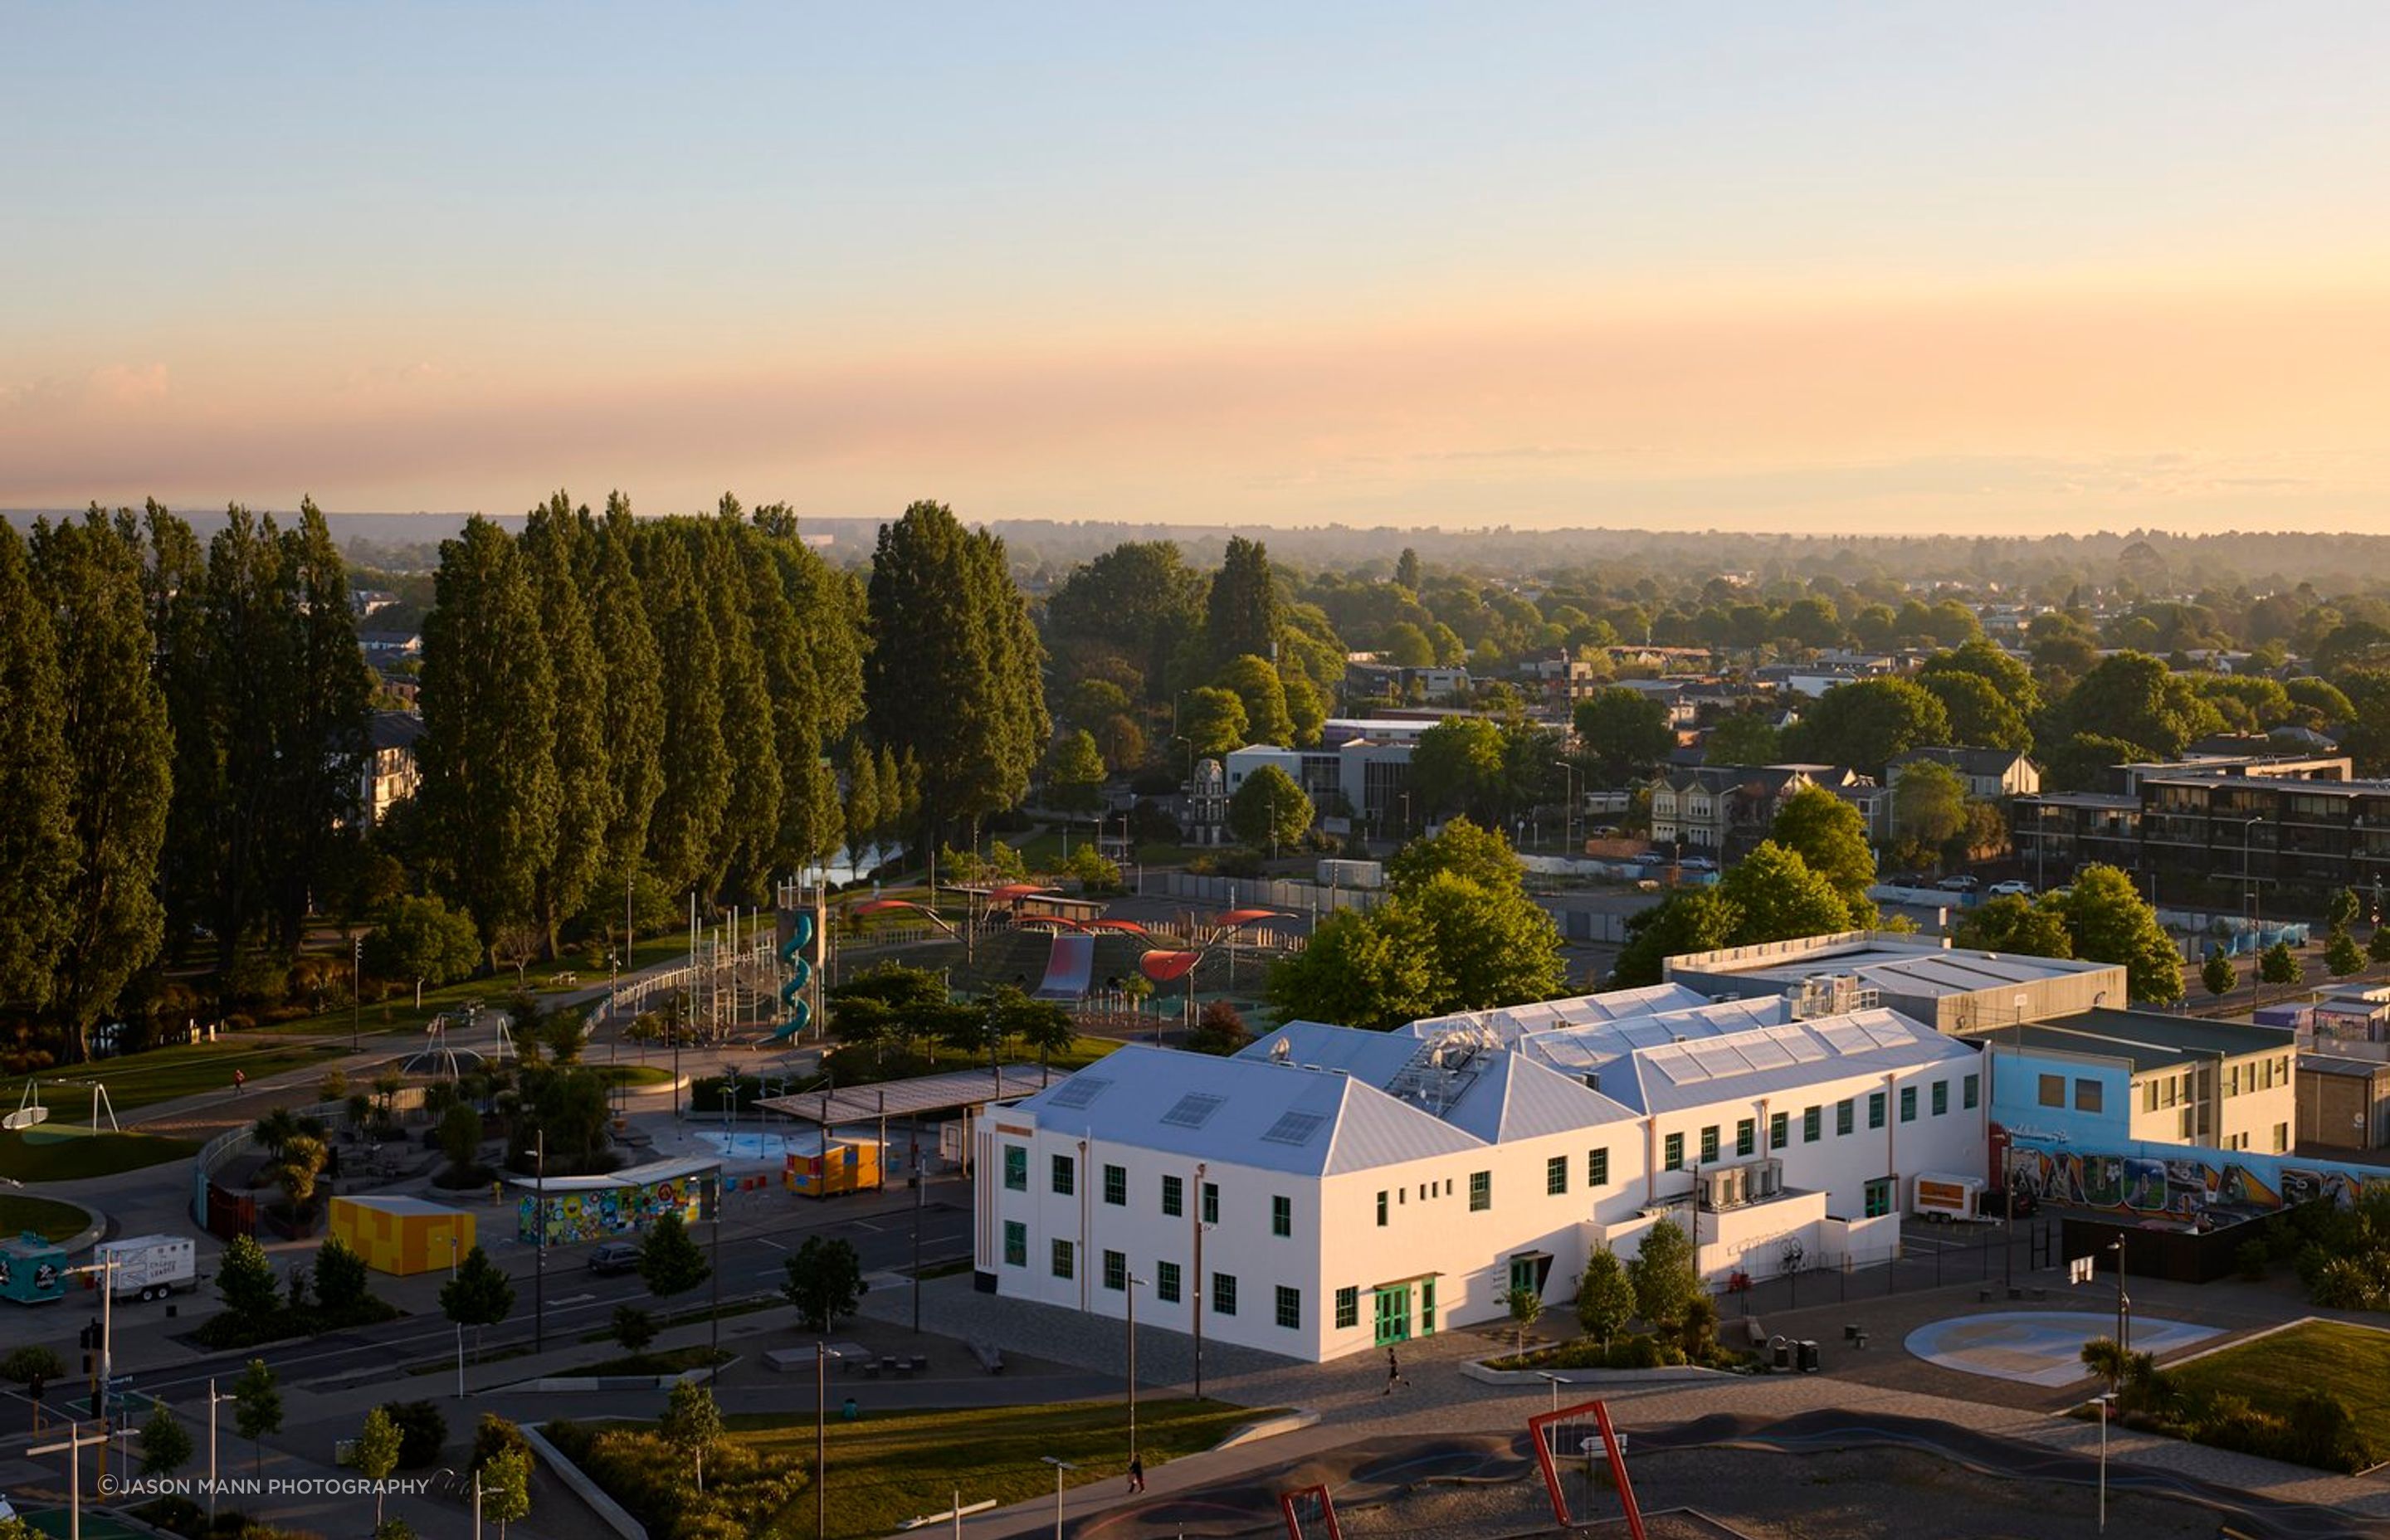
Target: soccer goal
x,y
1572,1447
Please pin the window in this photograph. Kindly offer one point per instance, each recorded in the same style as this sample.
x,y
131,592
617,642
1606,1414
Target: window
x,y
1875,1109
1348,1308
1672,1151
1016,1168
2149,1096
1381,1209
1970,1094
1780,1130
1597,1167
2088,1096
1481,1190
1117,1271
1066,1175
2282,1137
1211,1202
1282,1215
1427,1307
1941,1098
1062,1259
1709,1144
1290,1308
1116,1185
1556,1177
1166,1282
2053,1091
1016,1244
1173,1196
1843,1114
1909,1104
1746,1137
1812,1123
2185,1132
1224,1293
1878,1198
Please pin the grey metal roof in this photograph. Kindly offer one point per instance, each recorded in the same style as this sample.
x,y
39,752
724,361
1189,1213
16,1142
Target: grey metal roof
x,y
899,1099
1518,1098
1510,1022
1701,1059
2149,1041
1902,970
2333,1064
1374,1056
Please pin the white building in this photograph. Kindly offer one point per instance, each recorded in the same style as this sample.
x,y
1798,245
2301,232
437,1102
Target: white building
x,y
1330,1190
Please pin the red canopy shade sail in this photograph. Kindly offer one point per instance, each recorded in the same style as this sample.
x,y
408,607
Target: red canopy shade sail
x,y
1028,921
882,906
1165,967
1017,890
1238,918
1127,927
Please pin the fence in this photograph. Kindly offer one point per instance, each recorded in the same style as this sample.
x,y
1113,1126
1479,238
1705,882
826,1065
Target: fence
x,y
1245,892
2027,1257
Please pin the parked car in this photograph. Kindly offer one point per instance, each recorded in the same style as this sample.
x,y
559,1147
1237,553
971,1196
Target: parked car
x,y
616,1256
1962,884
2010,889
1698,864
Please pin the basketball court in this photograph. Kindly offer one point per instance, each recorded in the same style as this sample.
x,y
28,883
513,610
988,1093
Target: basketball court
x,y
2039,1347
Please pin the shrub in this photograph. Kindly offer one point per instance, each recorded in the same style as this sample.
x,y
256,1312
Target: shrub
x,y
422,1432
2251,1259
495,1435
22,1363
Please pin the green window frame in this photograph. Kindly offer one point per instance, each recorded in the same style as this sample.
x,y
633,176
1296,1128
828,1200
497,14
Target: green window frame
x,y
1597,1167
1813,1121
1348,1308
1970,1093
1556,1177
1382,1209
1065,1261
1116,1185
1480,1191
1941,1101
1016,1243
1224,1293
1780,1130
1842,1117
1909,1104
1672,1152
1282,1215
1878,1198
1066,1175
1173,1196
1290,1308
1746,1137
1875,1109
1116,1271
1710,1145
1166,1282
1016,1168
1211,1202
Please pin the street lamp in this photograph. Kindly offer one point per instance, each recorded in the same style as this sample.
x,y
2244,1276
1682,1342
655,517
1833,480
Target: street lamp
x,y
2105,1401
2249,887
1135,1284
1555,1381
1060,1467
1568,818
539,1235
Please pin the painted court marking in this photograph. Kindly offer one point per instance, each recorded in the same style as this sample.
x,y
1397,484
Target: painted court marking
x,y
2039,1347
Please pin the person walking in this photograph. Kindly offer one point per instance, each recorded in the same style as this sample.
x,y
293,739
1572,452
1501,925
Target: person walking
x,y
1394,1375
1135,1474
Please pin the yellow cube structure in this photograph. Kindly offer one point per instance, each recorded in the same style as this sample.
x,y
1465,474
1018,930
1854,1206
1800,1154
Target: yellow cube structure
x,y
402,1236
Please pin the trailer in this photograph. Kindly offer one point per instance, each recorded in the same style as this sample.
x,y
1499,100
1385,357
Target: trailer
x,y
150,1266
1953,1200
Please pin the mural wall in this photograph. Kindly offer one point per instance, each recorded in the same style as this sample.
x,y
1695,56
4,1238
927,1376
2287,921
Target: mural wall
x,y
2202,1188
603,1214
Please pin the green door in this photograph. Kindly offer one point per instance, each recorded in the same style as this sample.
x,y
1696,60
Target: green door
x,y
1393,1315
1522,1275
1427,1307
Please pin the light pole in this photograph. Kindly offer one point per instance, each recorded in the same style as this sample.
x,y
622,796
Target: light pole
x,y
822,1355
1195,1211
1567,817
1549,1377
1135,1284
539,1235
1060,1467
2104,1401
357,982
2248,885
460,1324
713,1374
2124,1306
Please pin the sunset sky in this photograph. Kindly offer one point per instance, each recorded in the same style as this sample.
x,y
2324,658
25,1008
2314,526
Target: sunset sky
x,y
1880,267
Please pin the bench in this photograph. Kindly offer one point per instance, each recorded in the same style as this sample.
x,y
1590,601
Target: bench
x,y
989,1358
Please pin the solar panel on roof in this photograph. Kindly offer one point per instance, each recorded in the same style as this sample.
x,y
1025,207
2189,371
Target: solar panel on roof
x,y
1193,1109
1842,1036
1765,1053
1293,1128
1078,1091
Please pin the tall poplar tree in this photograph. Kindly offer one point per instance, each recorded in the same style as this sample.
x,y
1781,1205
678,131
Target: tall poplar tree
x,y
323,726
631,706
584,793
489,742
37,849
696,784
807,624
954,673
1241,614
740,864
175,585
120,765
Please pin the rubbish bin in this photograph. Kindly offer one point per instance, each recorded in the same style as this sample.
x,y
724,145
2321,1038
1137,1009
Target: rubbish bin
x,y
1808,1357
1784,1352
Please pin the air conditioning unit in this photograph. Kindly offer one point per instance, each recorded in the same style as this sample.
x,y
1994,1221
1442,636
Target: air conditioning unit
x,y
1722,1187
1765,1180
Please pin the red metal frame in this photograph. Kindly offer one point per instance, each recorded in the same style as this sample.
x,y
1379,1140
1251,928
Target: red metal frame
x,y
1535,1426
1285,1501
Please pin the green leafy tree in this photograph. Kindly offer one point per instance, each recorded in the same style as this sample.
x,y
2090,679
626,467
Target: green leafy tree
x,y
1408,570
1868,722
257,1408
1462,848
1213,722
747,846
2277,965
1405,646
1269,810
245,1279
1457,766
2109,921
38,841
1745,737
553,553
460,1137
1689,920
808,626
423,940
1663,1277
488,751
479,1296
825,1282
1486,946
1929,805
1832,839
691,1423
1140,597
1352,973
631,705
2137,697
2217,975
377,1454
165,1447
2009,923
2107,1359
1242,612
505,1486
340,1284
865,814
693,790
671,1263
1626,732
1255,682
2011,680
963,695
2080,761
118,768
1605,1298
1075,776
2341,910
633,1328
2342,957
1778,898
1526,1308
2377,946
1980,716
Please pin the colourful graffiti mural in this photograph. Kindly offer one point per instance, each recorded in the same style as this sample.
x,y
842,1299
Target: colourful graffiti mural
x,y
2192,1185
596,1209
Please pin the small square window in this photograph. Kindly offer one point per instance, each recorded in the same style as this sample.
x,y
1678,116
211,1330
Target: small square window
x,y
1970,1093
1481,1190
1066,1175
1746,1137
1875,1109
1348,1308
1116,1185
2052,1091
1290,1308
1710,1145
1224,1293
1211,1202
1016,1168
1016,1244
1173,1196
1556,1177
1672,1152
1166,1282
1063,1262
2089,1095
1845,1113
1597,1167
1117,1271
1780,1130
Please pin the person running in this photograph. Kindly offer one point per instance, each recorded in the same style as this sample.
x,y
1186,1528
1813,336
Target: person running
x,y
1136,1473
1394,1375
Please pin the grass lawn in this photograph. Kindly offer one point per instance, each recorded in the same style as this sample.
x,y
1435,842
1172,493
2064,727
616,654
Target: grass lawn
x,y
629,1074
51,1221
2271,1373
93,1155
669,1361
400,1013
886,1469
162,1074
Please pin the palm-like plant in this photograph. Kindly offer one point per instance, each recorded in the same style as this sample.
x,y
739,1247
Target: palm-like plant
x,y
2107,1358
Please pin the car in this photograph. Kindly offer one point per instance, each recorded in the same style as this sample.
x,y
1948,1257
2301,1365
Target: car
x,y
1962,884
1698,864
616,1256
2010,889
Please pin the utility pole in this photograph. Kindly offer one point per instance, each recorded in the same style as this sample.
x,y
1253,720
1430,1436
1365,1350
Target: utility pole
x,y
1195,1290
539,1234
73,1445
356,986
